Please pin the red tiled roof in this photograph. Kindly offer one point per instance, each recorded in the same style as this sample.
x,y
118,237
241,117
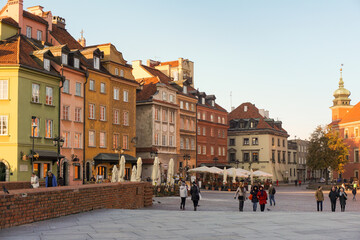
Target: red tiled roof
x,y
146,93
239,113
353,115
156,73
34,17
9,21
262,124
171,63
64,37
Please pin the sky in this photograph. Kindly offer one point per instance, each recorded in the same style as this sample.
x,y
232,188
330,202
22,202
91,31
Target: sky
x,y
283,56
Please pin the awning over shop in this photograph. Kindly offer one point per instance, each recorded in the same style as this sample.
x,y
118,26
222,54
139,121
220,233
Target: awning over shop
x,y
41,155
113,158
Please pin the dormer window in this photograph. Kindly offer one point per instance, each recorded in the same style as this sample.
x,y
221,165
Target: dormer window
x,y
76,63
97,63
121,73
245,108
116,71
202,100
28,31
213,103
64,58
39,35
185,89
46,64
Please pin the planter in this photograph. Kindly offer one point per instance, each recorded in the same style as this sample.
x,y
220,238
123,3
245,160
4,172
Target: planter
x,y
219,188
213,188
229,189
206,187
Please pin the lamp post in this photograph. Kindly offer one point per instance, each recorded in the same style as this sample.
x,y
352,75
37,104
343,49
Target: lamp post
x,y
58,142
237,163
186,157
33,138
215,160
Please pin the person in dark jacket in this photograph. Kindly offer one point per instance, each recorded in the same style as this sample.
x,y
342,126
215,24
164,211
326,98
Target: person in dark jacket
x,y
254,197
50,180
262,197
195,195
272,192
342,199
333,195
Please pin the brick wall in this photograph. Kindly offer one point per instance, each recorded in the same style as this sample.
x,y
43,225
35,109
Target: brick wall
x,y
18,185
30,205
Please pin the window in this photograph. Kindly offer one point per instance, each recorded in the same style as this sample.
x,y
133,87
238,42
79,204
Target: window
x,y
187,106
121,73
181,104
273,141
223,120
125,142
246,141
232,142
211,118
164,140
116,140
35,93
204,116
102,87
91,111
171,141
273,156
66,112
3,125
219,151
279,156
102,139
181,143
356,131
164,115
289,157
102,113
157,115
356,155
126,96
204,150
77,140
223,151
172,117
28,31
77,172
346,133
199,131
48,129
64,58
232,157
171,98
219,120
92,138
204,131
97,63
278,142
116,119
199,149
78,89
255,156
76,63
116,71
46,64
35,132
49,96
283,142
66,137
283,156
290,172
4,89
182,124
211,132
203,101
212,150
219,133
246,157
187,144
192,144
223,133
164,96
66,87
255,141
77,114
156,139
116,94
92,85
199,115
46,168
126,118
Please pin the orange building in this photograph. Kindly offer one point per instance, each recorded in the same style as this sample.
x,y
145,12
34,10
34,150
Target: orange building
x,y
346,120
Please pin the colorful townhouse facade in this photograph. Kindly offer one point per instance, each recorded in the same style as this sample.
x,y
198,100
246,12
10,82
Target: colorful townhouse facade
x,y
346,121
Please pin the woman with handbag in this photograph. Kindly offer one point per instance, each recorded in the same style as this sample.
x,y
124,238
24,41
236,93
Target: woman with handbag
x,y
241,194
253,197
342,199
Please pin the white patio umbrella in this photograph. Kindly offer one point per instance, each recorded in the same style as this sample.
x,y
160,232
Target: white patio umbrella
x,y
225,176
259,173
234,175
121,173
133,174
154,174
139,170
114,174
216,170
251,177
202,169
170,175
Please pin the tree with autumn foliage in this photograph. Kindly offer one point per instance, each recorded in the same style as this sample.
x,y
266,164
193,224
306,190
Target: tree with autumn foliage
x,y
326,150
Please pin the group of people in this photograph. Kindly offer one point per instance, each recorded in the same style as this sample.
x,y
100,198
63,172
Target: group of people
x,y
334,194
50,180
194,192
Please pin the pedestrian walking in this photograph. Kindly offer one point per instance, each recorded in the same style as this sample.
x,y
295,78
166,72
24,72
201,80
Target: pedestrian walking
x,y
262,197
277,182
333,195
50,180
272,192
295,183
253,197
34,180
195,195
183,195
241,194
319,196
299,183
342,199
354,190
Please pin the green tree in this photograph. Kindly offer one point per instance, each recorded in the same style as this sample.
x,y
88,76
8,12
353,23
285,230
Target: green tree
x,y
326,150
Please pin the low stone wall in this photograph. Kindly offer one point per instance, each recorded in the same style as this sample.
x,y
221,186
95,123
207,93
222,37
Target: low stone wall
x,y
30,205
18,185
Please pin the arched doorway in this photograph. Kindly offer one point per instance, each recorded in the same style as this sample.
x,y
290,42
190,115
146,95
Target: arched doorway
x,y
2,172
65,173
88,171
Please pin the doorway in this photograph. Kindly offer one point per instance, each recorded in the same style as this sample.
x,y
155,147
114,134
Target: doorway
x,y
88,171
2,172
65,173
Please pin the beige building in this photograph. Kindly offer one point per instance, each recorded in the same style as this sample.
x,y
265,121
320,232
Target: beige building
x,y
258,142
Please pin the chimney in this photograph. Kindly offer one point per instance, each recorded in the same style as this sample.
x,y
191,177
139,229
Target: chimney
x,y
15,11
136,63
59,21
37,10
82,40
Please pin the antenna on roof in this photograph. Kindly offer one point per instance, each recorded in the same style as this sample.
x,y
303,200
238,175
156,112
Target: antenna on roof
x,y
231,106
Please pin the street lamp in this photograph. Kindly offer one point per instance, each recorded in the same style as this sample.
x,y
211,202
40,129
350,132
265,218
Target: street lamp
x,y
153,153
33,138
215,160
59,142
237,163
186,157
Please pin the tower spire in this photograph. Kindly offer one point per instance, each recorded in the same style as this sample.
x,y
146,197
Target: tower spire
x,y
341,82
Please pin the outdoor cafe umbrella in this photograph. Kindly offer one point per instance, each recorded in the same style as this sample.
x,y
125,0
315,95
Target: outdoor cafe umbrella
x,y
225,176
133,174
139,169
170,175
202,169
154,174
114,174
216,170
121,173
259,173
234,175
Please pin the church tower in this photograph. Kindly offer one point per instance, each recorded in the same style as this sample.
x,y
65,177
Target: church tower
x,y
341,103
